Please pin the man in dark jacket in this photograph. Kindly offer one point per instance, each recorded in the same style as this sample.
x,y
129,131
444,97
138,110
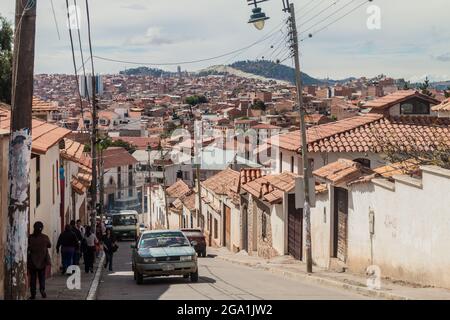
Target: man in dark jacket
x,y
77,232
38,258
68,242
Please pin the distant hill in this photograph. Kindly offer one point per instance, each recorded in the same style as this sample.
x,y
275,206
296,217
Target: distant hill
x,y
144,71
272,70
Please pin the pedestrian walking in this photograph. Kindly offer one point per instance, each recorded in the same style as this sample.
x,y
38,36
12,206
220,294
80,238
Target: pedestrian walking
x,y
90,241
80,228
38,259
77,253
68,243
109,246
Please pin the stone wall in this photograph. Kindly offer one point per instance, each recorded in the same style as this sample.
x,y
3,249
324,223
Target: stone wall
x,y
264,245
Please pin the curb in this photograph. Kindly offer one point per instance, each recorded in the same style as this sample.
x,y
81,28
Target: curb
x,y
92,295
321,280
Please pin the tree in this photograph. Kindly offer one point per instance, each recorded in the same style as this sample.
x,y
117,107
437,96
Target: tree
x,y
108,142
6,57
259,105
195,100
425,87
447,92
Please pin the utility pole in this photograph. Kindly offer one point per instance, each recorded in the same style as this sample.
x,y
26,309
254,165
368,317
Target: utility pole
x,y
149,188
164,188
306,168
20,152
94,138
101,170
199,192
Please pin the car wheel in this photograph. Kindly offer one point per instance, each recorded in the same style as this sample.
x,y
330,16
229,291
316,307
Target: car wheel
x,y
194,276
139,278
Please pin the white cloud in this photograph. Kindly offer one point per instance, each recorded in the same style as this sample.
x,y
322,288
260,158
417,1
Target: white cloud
x,y
152,36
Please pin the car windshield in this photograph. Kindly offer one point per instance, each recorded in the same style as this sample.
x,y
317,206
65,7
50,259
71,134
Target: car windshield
x,y
167,239
124,220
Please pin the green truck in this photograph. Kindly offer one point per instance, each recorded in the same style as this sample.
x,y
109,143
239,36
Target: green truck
x,y
125,224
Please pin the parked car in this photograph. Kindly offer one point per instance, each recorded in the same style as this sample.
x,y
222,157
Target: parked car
x,y
199,239
163,253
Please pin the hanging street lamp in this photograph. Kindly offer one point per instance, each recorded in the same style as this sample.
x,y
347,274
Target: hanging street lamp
x,y
258,17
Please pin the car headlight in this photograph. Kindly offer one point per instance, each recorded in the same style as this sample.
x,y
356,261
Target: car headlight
x,y
149,260
186,258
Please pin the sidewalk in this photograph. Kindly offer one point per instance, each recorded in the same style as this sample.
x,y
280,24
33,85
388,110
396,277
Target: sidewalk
x,y
56,286
291,268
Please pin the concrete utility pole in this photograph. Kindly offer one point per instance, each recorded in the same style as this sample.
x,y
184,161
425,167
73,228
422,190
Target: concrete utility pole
x,y
306,167
164,188
199,191
20,152
149,188
94,138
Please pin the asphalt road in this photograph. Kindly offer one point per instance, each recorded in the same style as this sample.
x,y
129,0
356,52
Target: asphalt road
x,y
218,279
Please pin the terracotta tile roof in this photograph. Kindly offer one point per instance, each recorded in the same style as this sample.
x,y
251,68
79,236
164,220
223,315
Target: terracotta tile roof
x,y
399,168
40,105
84,177
341,172
116,157
321,187
188,201
221,182
371,133
397,97
291,140
178,189
444,106
44,135
140,143
73,150
271,187
78,186
265,126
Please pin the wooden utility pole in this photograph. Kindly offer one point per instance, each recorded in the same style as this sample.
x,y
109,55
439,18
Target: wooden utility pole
x,y
20,152
306,167
101,170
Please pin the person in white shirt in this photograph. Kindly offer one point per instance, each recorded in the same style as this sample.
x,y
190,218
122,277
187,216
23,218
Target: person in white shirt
x,y
90,242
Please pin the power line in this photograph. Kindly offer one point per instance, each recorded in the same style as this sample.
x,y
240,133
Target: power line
x,y
82,56
263,39
319,13
74,60
56,21
336,20
330,15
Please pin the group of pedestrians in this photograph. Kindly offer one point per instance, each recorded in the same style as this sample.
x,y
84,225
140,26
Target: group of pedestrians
x,y
76,242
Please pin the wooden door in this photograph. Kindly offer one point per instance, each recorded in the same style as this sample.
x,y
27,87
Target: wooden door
x,y
340,223
245,228
295,229
227,234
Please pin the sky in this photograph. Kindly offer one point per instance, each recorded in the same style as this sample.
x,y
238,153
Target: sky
x,y
413,40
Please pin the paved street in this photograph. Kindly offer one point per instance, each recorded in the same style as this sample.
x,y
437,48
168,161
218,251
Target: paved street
x,y
218,280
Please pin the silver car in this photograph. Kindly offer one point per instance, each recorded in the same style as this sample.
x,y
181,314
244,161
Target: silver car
x,y
164,253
